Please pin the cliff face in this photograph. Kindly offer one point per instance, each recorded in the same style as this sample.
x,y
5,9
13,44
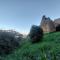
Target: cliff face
x,y
47,24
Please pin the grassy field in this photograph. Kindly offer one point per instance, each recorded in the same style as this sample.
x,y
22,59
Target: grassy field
x,y
48,49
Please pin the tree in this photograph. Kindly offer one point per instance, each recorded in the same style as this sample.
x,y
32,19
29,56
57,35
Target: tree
x,y
9,40
36,34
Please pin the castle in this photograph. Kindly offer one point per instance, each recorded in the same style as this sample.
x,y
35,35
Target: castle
x,y
49,25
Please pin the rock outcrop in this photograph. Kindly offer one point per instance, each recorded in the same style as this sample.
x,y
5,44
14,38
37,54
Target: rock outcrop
x,y
47,25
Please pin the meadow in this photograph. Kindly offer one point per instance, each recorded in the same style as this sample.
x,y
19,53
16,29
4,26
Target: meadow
x,y
47,49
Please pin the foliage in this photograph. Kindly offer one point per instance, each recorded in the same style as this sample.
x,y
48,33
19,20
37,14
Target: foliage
x,y
36,34
9,40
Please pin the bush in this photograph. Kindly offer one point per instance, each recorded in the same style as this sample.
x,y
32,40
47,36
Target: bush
x,y
58,28
9,40
36,34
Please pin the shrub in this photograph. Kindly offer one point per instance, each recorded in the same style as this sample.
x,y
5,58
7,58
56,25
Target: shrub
x,y
9,40
36,34
58,28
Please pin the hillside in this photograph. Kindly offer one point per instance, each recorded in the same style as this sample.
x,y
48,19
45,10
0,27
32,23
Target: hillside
x,y
48,49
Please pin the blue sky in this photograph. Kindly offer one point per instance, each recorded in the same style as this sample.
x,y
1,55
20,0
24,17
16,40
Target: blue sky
x,y
20,15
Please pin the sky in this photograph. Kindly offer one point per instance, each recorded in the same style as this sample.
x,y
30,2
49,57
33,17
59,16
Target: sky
x,y
20,15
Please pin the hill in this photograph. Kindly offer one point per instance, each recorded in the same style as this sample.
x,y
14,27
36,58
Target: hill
x,y
48,49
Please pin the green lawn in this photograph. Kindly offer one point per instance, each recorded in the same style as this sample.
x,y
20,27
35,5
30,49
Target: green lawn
x,y
48,49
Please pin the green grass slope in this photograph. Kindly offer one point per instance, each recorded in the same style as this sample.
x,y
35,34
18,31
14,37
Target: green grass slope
x,y
48,49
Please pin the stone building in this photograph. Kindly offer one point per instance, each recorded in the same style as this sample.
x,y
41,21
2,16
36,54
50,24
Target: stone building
x,y
57,22
47,24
